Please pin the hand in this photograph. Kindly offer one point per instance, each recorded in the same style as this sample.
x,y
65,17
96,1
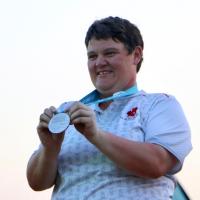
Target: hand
x,y
50,141
83,119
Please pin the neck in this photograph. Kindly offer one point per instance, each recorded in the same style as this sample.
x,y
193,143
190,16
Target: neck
x,y
105,94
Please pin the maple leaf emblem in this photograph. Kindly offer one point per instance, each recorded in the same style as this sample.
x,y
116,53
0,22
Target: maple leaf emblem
x,y
132,112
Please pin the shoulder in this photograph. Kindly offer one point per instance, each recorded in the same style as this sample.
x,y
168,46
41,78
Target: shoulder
x,y
159,106
149,101
155,96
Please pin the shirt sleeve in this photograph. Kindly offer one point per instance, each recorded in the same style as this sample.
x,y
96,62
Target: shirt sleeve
x,y
166,125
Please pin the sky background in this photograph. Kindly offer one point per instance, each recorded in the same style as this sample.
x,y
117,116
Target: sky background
x,y
43,62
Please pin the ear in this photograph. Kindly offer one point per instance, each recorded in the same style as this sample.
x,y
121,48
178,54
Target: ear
x,y
137,55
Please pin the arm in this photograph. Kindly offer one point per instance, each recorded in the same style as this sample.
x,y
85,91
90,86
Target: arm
x,y
42,166
143,159
42,169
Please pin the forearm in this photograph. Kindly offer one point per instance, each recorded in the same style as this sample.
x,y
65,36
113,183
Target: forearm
x,y
143,159
42,169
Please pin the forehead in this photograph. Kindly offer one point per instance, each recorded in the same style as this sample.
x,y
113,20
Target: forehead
x,y
103,44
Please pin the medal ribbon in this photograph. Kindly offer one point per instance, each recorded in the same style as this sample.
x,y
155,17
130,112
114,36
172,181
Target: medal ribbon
x,y
92,98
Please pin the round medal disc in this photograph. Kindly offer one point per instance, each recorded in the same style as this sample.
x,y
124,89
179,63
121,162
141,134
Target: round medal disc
x,y
59,123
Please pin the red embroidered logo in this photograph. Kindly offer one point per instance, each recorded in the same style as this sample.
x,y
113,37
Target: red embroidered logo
x,y
132,112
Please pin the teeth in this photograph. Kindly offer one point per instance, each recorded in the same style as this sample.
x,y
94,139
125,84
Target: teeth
x,y
104,72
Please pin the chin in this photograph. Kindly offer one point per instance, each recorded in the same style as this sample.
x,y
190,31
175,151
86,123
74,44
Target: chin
x,y
106,92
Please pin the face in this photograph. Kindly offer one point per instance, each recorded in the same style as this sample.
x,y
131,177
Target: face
x,y
110,66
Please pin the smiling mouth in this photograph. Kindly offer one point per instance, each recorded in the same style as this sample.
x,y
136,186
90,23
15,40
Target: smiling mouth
x,y
102,73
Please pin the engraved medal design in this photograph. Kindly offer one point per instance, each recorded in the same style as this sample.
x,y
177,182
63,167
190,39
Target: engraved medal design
x,y
59,123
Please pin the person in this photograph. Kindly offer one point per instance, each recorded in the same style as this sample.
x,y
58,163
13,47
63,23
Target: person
x,y
127,146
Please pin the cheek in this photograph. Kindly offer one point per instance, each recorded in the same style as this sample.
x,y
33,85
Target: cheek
x,y
118,62
90,66
91,70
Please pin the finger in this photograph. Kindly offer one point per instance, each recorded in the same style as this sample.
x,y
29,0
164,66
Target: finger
x,y
52,109
44,118
49,112
82,120
42,125
77,106
80,113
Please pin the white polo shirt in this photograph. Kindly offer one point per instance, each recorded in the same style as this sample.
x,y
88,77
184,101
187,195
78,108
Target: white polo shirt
x,y
84,173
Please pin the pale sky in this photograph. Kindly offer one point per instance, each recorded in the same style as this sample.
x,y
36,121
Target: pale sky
x,y
43,62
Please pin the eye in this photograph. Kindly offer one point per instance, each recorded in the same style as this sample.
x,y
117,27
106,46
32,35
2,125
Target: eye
x,y
92,57
110,53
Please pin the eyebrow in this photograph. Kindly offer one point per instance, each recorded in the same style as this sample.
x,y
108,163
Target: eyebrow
x,y
105,50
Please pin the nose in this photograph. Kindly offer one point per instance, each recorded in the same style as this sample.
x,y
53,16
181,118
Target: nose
x,y
100,61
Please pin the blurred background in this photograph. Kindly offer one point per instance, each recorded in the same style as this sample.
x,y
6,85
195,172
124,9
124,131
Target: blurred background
x,y
43,62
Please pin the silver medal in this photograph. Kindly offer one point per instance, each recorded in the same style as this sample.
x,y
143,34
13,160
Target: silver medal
x,y
59,123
